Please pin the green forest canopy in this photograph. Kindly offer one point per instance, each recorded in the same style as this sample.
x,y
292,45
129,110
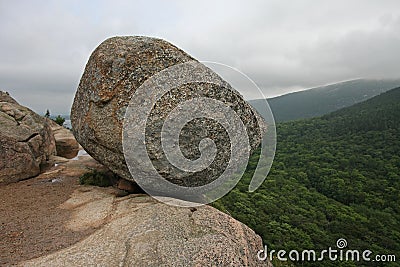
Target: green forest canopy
x,y
336,176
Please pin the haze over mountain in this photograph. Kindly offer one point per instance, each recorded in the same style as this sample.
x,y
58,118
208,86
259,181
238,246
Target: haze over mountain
x,y
335,176
324,99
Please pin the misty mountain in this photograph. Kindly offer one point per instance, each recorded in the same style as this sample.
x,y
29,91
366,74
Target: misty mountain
x,y
325,99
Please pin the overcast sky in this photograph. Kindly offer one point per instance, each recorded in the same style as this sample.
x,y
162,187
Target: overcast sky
x,y
281,45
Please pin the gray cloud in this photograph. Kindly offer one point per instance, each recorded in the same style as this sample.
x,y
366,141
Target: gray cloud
x,y
281,45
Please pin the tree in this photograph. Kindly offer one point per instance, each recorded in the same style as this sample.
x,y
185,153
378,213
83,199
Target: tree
x,y
59,120
47,115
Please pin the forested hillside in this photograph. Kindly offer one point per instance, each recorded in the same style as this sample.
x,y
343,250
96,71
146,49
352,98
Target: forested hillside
x,y
322,100
337,176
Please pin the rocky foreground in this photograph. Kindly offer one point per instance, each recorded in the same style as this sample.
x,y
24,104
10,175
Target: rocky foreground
x,y
32,222
138,231
51,220
57,222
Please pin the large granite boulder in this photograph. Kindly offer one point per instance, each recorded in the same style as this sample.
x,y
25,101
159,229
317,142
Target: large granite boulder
x,y
26,141
139,231
113,74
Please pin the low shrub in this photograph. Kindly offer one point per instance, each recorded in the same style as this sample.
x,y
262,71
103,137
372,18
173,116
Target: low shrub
x,y
102,179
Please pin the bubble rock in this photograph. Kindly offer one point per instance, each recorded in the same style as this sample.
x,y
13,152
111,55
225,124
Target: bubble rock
x,y
144,106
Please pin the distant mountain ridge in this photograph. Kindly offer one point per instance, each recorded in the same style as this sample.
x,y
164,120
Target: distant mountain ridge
x,y
322,100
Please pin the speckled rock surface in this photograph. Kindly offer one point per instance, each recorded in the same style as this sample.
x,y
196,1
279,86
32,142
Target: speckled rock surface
x,y
138,231
26,141
115,70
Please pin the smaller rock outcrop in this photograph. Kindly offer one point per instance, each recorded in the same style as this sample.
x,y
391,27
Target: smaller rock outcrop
x,y
5,97
66,144
26,141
